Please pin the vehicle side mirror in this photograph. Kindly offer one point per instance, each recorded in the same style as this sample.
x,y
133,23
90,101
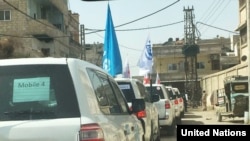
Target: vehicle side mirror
x,y
155,98
138,105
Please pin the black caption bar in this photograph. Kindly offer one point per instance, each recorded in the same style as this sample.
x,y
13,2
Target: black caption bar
x,y
198,132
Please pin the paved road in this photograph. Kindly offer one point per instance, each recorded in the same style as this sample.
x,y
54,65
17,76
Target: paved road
x,y
199,117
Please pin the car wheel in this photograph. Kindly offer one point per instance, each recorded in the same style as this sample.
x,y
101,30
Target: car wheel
x,y
158,134
182,114
171,129
178,120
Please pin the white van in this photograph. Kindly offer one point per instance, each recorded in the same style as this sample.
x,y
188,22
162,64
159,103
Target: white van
x,y
63,99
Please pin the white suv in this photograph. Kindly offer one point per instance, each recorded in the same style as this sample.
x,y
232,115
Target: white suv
x,y
175,100
63,99
180,101
165,107
134,89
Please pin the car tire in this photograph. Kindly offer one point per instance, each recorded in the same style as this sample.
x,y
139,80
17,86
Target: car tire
x,y
178,120
182,114
172,128
158,134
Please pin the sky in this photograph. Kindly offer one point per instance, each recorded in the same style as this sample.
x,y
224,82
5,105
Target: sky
x,y
136,18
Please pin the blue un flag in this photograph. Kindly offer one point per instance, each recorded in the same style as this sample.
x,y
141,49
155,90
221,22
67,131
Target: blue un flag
x,y
112,61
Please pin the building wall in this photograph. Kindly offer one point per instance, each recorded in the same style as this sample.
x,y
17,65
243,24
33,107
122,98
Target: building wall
x,y
214,81
242,68
31,27
171,53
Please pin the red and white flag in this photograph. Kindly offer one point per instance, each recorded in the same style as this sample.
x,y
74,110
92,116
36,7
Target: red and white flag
x,y
126,70
146,79
157,80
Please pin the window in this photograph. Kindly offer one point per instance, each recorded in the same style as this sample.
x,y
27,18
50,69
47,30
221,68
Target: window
x,y
37,92
127,90
156,90
215,64
200,65
4,15
172,67
108,94
120,98
144,92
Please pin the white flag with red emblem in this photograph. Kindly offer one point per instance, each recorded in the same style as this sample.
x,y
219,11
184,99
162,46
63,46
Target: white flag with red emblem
x,y
126,70
146,79
157,80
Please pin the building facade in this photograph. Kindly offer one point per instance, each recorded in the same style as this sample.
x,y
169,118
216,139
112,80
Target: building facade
x,y
214,56
38,28
214,82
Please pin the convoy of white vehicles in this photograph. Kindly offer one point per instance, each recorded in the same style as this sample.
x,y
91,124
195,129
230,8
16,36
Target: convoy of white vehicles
x,y
134,89
76,100
64,99
180,101
165,107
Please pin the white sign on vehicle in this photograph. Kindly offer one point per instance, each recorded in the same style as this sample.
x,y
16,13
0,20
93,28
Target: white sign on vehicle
x,y
31,89
124,86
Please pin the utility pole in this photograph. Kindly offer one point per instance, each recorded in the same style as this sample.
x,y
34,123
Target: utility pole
x,y
190,51
83,49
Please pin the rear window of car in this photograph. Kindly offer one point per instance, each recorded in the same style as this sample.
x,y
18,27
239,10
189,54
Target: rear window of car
x,y
177,93
156,90
171,94
37,92
127,90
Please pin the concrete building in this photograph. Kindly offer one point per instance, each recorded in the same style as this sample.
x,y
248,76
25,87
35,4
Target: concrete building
x,y
214,82
94,53
38,28
215,55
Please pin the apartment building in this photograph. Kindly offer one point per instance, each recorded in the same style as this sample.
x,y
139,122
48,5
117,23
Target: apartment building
x,y
38,28
214,55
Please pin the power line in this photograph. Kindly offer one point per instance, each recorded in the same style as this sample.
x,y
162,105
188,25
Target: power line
x,y
217,28
32,37
139,18
149,14
213,12
146,28
27,14
20,11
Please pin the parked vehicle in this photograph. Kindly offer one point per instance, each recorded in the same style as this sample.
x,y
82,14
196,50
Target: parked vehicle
x,y
165,107
175,101
63,99
134,89
180,101
233,100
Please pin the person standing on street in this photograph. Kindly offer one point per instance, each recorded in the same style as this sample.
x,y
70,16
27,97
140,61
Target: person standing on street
x,y
204,100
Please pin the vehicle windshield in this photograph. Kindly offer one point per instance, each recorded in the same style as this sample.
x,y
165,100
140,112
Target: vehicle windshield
x,y
37,92
240,87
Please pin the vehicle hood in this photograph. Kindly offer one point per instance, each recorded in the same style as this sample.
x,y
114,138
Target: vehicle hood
x,y
40,130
